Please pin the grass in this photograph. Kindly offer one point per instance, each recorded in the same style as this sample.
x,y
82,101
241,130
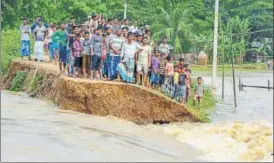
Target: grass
x,y
201,111
18,80
36,82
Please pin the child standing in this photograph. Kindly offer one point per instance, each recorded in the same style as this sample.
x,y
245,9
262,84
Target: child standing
x,y
77,49
188,81
46,45
199,91
169,72
176,83
162,66
86,54
182,85
103,73
155,74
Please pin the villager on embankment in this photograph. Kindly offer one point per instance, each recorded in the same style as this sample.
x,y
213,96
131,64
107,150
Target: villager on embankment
x,y
98,51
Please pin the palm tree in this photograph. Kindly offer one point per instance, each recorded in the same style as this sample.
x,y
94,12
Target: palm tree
x,y
202,43
175,25
240,31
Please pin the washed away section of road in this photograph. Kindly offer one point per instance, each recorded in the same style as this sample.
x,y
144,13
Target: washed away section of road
x,y
126,101
227,141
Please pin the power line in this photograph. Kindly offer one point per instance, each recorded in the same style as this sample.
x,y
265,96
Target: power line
x,y
264,30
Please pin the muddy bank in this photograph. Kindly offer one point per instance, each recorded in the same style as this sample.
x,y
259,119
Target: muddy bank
x,y
126,101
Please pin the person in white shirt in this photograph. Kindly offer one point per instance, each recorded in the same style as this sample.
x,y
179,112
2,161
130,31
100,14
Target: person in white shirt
x,y
126,67
93,23
143,59
164,47
40,32
125,24
25,39
133,28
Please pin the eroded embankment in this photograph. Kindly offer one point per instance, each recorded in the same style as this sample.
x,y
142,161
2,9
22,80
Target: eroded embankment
x,y
129,102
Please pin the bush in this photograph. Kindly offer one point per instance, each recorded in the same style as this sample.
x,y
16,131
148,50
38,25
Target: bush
x,y
35,82
10,48
18,80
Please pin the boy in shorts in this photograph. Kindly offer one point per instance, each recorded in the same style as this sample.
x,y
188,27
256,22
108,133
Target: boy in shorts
x,y
86,54
77,50
155,76
199,91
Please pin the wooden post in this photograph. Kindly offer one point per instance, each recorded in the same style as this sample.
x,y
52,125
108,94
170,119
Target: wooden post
x,y
223,65
240,85
233,71
268,85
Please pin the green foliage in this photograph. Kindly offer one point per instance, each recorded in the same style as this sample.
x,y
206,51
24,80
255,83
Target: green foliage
x,y
18,80
36,82
10,48
188,24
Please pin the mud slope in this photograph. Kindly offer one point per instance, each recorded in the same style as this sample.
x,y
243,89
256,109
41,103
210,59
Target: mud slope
x,y
129,102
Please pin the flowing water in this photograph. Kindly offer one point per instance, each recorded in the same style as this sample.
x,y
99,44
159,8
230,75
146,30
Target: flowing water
x,y
35,130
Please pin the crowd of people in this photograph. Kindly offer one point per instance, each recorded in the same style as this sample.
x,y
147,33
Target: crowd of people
x,y
110,49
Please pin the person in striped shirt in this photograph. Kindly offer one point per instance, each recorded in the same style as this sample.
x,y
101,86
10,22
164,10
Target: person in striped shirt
x,y
115,46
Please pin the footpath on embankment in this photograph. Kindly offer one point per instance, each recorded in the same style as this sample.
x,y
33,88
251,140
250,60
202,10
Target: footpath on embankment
x,y
126,101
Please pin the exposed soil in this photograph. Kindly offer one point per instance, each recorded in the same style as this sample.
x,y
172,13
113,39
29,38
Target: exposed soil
x,y
127,101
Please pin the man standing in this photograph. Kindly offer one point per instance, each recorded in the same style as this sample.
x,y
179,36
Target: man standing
x,y
25,39
93,24
133,28
62,36
70,25
126,67
40,32
164,47
126,23
125,32
143,59
37,20
116,25
51,31
115,45
96,53
103,25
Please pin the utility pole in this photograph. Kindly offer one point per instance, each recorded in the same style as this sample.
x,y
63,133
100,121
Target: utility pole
x,y
215,45
0,36
125,11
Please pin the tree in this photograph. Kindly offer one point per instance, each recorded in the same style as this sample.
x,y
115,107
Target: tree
x,y
240,34
176,26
